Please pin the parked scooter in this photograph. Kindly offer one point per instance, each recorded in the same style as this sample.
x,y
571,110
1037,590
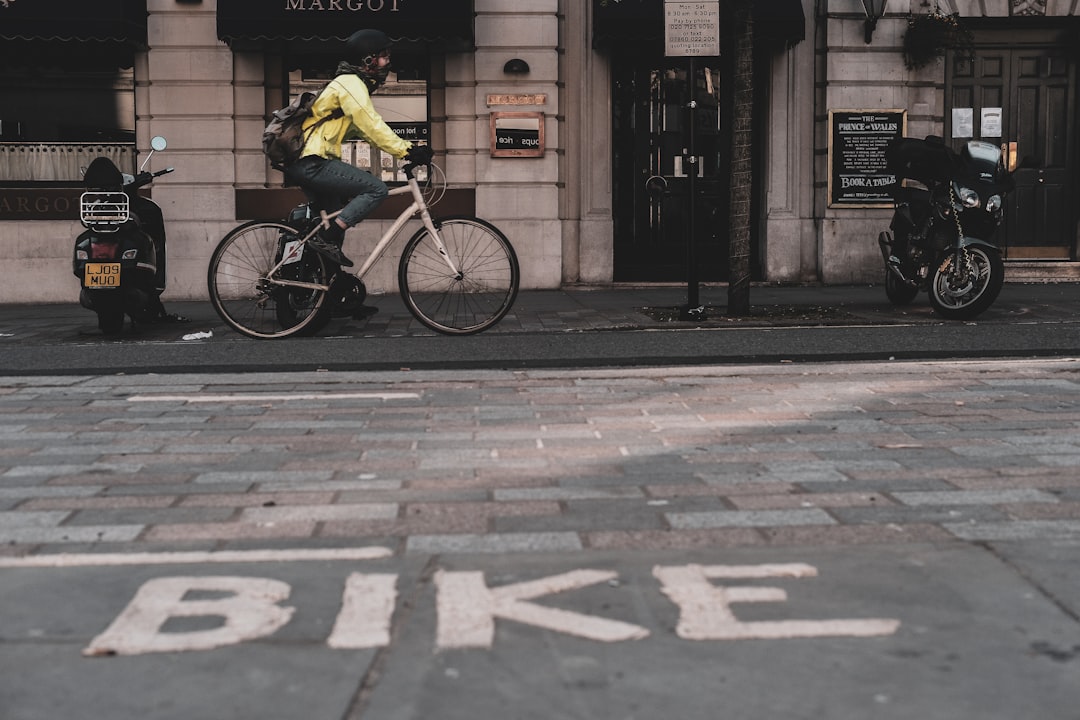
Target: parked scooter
x,y
940,237
120,258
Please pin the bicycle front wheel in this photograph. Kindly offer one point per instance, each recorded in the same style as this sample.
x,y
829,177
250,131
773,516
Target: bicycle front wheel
x,y
248,299
470,300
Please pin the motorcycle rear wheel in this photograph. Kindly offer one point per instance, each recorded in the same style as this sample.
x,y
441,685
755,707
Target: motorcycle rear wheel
x,y
111,322
108,305
898,291
963,293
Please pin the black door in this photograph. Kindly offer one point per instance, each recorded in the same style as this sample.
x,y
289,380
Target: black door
x,y
650,138
1035,89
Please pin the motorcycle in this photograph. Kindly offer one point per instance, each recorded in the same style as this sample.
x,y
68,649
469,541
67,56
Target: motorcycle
x,y
940,237
120,257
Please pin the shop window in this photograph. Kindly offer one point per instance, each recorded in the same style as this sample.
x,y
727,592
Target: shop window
x,y
56,119
403,102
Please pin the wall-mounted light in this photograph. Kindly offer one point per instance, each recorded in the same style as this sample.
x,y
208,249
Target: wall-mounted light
x,y
517,66
874,10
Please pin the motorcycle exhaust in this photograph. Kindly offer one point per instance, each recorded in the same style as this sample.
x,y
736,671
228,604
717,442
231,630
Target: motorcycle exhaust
x,y
885,241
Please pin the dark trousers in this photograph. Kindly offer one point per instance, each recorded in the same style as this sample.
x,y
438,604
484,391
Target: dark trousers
x,y
333,183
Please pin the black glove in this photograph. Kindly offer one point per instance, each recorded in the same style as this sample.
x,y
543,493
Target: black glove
x,y
419,155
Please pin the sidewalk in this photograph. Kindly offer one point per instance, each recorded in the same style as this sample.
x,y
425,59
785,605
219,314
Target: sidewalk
x,y
576,309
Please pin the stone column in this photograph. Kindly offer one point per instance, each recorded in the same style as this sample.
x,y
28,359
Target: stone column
x,y
186,94
519,195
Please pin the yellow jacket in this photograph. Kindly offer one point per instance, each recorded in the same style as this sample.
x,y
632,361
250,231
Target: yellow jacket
x,y
350,93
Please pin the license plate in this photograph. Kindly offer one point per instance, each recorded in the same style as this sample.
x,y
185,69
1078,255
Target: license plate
x,y
102,275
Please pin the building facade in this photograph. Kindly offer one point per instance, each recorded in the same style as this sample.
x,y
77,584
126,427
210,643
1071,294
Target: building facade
x,y
1009,75
561,121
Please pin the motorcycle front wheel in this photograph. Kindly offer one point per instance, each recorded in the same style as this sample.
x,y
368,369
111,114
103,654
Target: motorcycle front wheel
x,y
962,290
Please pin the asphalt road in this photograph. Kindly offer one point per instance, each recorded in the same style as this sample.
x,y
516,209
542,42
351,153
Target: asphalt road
x,y
627,348
591,328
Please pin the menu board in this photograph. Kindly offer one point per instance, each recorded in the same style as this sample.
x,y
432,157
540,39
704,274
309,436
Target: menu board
x,y
857,142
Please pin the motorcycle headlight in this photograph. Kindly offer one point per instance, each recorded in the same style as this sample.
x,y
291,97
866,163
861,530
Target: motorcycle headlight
x,y
967,197
994,203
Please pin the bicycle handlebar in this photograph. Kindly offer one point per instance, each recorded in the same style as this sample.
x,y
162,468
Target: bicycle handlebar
x,y
409,168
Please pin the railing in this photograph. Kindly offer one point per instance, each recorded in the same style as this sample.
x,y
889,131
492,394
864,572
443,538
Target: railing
x,y
59,162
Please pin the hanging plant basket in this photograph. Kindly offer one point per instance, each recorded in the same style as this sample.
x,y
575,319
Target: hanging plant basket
x,y
929,36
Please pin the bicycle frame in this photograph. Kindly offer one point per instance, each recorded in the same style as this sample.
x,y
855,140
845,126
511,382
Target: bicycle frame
x,y
418,206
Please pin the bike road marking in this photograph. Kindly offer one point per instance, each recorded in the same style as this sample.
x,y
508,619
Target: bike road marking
x,y
276,397
62,560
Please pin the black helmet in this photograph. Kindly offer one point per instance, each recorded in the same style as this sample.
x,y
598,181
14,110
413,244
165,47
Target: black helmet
x,y
364,45
362,51
103,173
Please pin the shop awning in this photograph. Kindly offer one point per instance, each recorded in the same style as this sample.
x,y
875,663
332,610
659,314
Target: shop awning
x,y
618,22
780,20
103,21
447,22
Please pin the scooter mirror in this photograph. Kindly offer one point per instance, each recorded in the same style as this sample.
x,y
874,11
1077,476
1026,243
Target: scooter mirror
x,y
156,143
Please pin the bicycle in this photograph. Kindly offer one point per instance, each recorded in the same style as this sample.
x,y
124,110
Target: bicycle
x,y
457,275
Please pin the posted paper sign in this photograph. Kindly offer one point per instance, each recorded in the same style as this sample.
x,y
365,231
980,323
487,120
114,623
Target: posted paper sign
x,y
963,122
991,122
691,29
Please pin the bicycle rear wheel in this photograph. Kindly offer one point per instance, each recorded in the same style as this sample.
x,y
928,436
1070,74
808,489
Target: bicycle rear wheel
x,y
478,295
247,299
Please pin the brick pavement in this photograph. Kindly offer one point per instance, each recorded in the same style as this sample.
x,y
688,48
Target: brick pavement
x,y
543,460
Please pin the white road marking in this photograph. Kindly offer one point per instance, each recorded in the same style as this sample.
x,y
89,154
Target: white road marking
x,y
367,608
705,609
273,397
185,558
250,611
467,608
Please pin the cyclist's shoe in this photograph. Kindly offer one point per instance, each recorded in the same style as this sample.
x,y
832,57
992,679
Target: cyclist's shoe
x,y
329,251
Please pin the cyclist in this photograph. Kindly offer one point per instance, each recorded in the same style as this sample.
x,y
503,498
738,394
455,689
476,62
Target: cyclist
x,y
320,170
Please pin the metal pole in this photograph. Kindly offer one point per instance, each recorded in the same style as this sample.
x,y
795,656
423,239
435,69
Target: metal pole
x,y
693,309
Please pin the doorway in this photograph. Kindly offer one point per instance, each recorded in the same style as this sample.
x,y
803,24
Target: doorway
x,y
1021,90
649,181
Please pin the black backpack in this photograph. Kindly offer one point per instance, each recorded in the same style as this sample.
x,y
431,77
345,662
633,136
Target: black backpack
x,y
283,139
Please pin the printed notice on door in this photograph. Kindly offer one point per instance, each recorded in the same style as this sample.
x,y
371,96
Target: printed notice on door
x,y
858,176
691,29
